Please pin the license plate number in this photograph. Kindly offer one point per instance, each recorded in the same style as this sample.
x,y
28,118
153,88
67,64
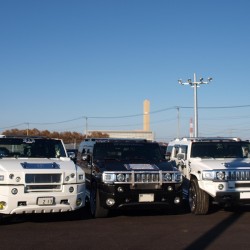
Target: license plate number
x,y
146,197
45,201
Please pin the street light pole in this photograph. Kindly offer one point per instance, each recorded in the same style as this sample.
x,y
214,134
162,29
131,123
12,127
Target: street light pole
x,y
195,84
195,108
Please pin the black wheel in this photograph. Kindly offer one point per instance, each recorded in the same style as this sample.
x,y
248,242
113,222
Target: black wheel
x,y
95,207
198,199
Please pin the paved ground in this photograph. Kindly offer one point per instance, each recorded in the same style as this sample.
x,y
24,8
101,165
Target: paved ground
x,y
129,230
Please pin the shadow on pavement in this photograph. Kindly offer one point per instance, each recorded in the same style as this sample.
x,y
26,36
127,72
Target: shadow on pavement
x,y
206,239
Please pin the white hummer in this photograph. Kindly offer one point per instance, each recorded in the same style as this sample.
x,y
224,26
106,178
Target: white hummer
x,y
37,176
215,170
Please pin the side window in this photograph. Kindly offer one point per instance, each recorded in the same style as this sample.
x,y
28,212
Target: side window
x,y
83,151
246,152
183,150
169,150
176,150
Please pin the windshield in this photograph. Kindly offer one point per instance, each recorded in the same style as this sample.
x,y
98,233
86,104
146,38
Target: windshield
x,y
220,149
127,151
31,147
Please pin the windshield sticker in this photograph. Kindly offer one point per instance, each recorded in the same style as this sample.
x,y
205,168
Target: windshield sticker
x,y
141,166
28,140
52,165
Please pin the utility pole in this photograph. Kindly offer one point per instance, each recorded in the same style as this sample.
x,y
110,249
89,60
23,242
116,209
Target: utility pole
x,y
178,120
195,84
86,126
27,130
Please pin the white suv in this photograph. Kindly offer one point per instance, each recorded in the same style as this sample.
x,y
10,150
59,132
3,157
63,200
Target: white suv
x,y
37,176
215,170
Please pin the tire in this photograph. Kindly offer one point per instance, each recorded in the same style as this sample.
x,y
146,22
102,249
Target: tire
x,y
95,207
198,199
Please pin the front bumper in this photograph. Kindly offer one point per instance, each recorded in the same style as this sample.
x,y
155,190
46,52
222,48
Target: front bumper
x,y
232,198
124,196
24,203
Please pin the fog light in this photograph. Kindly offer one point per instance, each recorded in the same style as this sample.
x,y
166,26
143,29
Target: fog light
x,y
67,178
18,179
177,200
11,176
220,186
79,202
71,189
170,188
120,189
110,202
2,205
14,191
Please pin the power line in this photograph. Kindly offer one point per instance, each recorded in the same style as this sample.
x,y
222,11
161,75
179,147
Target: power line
x,y
124,116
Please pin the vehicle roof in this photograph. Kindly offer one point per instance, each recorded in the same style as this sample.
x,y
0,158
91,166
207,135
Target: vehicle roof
x,y
103,140
27,136
206,139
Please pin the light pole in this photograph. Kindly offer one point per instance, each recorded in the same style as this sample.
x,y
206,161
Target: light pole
x,y
195,84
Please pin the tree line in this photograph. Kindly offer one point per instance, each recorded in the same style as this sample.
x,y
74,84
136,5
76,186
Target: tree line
x,y
67,136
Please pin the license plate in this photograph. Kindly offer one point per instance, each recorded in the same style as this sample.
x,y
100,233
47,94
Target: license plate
x,y
244,195
45,201
146,197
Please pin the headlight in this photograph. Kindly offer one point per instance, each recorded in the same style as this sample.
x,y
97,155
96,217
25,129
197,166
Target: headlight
x,y
120,177
106,177
220,175
178,177
208,175
167,177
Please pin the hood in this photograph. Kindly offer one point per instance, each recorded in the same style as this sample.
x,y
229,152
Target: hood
x,y
135,166
225,163
36,164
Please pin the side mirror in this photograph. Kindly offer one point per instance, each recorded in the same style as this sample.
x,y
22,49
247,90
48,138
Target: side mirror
x,y
181,158
86,157
71,155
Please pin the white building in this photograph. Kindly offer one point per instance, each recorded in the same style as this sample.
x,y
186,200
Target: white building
x,y
140,134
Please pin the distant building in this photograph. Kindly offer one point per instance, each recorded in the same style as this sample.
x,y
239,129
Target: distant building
x,y
140,134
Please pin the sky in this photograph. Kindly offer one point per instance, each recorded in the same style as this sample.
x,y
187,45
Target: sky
x,y
77,65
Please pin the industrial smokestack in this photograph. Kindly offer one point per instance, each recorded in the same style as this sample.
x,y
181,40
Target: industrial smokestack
x,y
191,129
146,111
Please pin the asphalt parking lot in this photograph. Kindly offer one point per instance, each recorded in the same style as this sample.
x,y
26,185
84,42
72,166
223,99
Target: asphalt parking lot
x,y
140,229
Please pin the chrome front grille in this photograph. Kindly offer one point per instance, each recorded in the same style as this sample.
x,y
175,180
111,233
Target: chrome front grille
x,y
43,182
238,175
142,178
139,177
